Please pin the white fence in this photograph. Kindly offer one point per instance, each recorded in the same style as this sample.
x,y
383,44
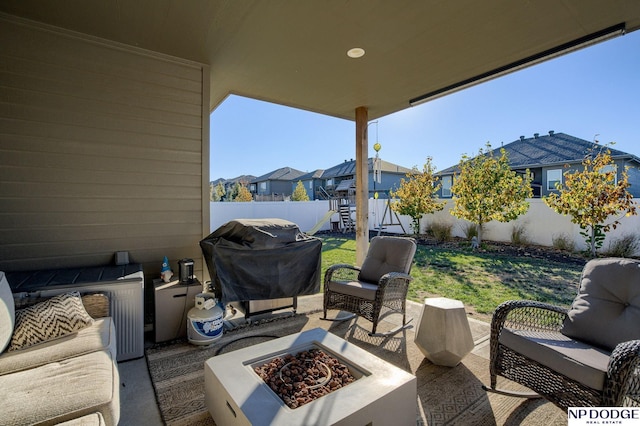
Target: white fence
x,y
540,223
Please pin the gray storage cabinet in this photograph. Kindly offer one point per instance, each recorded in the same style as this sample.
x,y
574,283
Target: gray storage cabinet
x,y
172,302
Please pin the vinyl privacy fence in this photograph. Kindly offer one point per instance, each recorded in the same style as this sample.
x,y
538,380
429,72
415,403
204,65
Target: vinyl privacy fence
x,y
540,224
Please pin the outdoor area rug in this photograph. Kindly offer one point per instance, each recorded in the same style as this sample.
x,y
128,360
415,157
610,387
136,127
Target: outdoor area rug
x,y
445,395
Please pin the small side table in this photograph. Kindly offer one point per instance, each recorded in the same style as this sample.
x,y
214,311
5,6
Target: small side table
x,y
443,334
172,302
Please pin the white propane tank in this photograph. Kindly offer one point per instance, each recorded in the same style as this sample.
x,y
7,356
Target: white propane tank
x,y
204,325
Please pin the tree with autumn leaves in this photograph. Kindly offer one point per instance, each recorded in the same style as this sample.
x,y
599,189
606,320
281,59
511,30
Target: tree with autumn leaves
x,y
417,195
299,193
216,192
592,196
486,189
243,194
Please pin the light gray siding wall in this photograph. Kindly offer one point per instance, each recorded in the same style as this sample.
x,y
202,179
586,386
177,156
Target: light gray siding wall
x,y
634,177
389,182
102,148
280,187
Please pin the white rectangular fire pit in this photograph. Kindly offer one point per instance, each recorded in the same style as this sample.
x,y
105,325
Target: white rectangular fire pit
x,y
382,394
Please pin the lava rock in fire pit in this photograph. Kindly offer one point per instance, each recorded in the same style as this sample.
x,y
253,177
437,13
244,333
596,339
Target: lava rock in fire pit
x,y
299,379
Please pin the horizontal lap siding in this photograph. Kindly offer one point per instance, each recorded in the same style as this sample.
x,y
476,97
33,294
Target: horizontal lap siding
x,y
101,150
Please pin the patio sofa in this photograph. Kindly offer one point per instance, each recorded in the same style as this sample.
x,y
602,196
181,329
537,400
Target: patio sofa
x,y
57,360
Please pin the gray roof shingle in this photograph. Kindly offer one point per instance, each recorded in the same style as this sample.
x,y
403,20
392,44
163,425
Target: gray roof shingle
x,y
283,173
348,168
545,150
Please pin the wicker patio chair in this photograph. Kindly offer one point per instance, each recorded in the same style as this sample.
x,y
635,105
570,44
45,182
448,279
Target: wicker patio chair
x,y
378,288
587,355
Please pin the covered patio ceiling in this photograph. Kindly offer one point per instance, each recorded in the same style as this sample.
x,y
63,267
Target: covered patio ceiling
x,y
294,52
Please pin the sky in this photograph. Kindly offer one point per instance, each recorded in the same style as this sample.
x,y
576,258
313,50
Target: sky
x,y
592,94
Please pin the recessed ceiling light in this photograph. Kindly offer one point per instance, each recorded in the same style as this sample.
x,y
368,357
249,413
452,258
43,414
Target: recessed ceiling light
x,y
356,52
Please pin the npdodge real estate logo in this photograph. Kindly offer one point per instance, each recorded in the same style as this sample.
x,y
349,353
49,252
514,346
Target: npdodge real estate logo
x,y
581,416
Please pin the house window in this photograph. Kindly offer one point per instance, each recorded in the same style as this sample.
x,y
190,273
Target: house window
x,y
447,181
553,177
329,182
611,168
263,186
310,185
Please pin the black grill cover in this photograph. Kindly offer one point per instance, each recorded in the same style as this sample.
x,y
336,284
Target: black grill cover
x,y
258,259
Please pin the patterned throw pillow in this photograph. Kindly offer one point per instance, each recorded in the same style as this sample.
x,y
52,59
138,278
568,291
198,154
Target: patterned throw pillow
x,y
56,317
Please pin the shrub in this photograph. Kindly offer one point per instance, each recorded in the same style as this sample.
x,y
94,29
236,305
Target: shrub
x,y
441,231
519,234
470,230
624,246
563,241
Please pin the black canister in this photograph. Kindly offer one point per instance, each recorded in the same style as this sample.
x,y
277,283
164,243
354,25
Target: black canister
x,y
185,271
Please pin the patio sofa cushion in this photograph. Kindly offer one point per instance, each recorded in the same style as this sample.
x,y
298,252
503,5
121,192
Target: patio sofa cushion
x,y
61,391
94,419
578,361
99,336
7,313
53,318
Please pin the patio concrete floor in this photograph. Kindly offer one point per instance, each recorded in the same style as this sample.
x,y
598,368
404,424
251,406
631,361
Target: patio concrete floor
x,y
137,399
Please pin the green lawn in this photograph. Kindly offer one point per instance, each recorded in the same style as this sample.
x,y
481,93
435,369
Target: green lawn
x,y
481,280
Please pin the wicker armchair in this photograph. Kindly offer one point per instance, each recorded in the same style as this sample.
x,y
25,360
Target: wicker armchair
x,y
588,355
376,289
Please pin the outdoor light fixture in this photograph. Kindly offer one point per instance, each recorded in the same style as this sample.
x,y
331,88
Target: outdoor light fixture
x,y
565,48
356,52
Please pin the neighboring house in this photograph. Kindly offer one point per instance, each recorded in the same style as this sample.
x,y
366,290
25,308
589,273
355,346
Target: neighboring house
x,y
243,179
230,183
340,181
312,182
277,182
216,182
547,157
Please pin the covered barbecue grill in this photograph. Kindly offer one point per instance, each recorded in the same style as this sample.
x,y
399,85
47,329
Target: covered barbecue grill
x,y
262,259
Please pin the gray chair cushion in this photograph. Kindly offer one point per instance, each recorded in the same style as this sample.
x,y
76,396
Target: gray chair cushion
x,y
576,360
606,311
7,313
387,254
354,288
